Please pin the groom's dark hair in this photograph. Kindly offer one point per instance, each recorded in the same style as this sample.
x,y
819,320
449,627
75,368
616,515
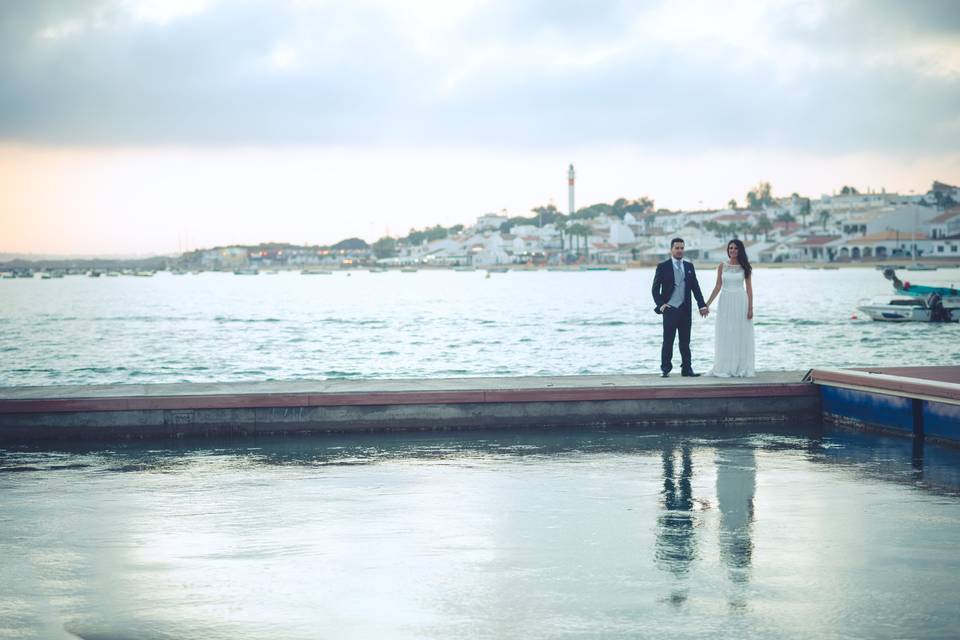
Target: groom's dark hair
x,y
675,241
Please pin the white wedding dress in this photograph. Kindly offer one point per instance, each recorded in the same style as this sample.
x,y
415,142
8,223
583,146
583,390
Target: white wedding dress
x,y
733,342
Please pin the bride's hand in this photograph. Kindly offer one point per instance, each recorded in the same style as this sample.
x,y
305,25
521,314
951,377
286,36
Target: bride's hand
x,y
749,314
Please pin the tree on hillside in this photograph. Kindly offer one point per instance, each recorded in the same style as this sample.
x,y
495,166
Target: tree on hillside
x,y
785,216
545,215
760,196
351,244
593,211
636,208
621,207
416,237
732,203
848,191
944,201
385,247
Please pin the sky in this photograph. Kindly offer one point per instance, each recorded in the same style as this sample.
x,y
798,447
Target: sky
x,y
155,126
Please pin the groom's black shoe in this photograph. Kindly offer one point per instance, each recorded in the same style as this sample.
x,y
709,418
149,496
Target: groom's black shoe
x,y
665,374
689,374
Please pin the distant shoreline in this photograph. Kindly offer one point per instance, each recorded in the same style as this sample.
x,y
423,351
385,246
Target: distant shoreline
x,y
39,268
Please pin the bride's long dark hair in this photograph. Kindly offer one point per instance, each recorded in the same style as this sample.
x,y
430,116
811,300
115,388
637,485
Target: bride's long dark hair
x,y
741,256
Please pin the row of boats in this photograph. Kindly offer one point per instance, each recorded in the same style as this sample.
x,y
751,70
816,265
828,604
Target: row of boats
x,y
252,271
915,303
54,274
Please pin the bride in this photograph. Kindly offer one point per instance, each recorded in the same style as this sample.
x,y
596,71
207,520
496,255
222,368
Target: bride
x,y
733,344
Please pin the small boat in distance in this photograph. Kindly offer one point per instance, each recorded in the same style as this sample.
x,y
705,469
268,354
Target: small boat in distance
x,y
497,269
919,266
408,270
246,271
914,309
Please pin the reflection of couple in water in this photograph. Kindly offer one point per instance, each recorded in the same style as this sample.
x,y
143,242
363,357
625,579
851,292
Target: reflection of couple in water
x,y
676,545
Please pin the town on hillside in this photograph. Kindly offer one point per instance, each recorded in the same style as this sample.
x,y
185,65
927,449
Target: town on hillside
x,y
848,226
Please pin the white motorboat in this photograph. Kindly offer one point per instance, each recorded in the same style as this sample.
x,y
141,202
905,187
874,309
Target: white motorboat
x,y
915,309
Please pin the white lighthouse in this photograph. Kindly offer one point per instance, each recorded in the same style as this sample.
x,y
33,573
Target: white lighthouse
x,y
570,180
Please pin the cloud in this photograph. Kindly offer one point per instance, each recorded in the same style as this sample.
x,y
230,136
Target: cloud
x,y
806,75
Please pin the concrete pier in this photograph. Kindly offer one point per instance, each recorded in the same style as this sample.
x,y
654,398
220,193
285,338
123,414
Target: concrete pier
x,y
174,410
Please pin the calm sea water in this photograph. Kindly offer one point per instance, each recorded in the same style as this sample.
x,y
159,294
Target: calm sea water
x,y
592,533
222,327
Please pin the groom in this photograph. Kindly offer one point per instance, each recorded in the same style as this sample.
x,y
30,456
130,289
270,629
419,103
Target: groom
x,y
672,285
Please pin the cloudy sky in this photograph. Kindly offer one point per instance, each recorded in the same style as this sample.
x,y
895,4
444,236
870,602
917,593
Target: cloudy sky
x,y
147,126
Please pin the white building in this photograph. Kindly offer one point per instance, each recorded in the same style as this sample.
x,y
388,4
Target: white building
x,y
905,218
621,233
945,225
490,221
491,252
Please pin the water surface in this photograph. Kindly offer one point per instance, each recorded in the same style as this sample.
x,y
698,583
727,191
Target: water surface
x,y
532,534
218,327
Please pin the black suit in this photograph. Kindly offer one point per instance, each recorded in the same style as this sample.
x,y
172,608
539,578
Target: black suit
x,y
676,320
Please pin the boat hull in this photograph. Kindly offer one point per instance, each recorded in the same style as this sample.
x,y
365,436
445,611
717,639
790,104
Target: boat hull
x,y
903,313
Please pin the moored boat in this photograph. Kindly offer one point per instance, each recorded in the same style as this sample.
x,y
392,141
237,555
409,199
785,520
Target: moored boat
x,y
914,309
906,288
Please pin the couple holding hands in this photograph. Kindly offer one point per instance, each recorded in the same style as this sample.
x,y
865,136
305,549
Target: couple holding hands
x,y
673,284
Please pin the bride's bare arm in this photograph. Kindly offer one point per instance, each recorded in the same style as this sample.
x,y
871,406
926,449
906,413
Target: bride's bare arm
x,y
716,289
749,282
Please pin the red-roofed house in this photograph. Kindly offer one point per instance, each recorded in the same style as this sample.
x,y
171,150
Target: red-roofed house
x,y
727,218
882,244
816,247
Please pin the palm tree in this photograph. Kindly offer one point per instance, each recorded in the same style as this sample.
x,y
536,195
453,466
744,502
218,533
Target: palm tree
x,y
579,230
824,217
805,210
561,226
764,226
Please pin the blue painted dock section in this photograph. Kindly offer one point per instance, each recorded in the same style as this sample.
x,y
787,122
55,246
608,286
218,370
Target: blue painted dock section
x,y
918,402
